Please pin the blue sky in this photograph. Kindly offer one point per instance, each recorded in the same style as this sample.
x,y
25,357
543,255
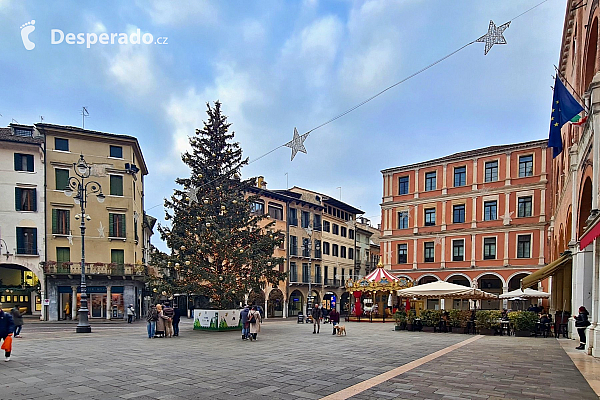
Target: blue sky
x,y
277,65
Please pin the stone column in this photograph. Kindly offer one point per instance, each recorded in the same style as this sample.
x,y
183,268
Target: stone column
x,y
594,329
266,308
108,301
504,301
74,302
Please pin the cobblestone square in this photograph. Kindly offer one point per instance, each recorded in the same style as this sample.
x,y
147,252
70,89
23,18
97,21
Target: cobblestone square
x,y
118,361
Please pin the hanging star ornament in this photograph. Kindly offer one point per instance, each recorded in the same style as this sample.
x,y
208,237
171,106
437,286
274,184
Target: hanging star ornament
x,y
101,230
493,36
192,194
297,143
70,239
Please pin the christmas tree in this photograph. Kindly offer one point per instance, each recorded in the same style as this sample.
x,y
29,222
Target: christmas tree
x,y
219,247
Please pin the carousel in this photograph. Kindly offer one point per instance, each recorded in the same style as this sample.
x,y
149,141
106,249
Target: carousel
x,y
373,296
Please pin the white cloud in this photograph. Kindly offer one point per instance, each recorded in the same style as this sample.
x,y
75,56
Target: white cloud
x,y
177,13
253,32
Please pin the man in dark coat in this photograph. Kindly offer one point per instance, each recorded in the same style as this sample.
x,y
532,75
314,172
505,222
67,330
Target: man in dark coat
x,y
316,317
244,321
176,319
7,327
334,317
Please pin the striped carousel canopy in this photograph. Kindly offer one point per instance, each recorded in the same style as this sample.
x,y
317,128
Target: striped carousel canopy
x,y
380,274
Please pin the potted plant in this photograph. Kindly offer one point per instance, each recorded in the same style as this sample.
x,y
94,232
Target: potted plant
x,y
410,320
430,319
523,322
487,321
400,319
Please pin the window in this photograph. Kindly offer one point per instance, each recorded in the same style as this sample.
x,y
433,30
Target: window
x,y
116,151
293,245
460,176
25,199
343,231
336,229
317,222
343,251
293,272
458,250
27,241
23,132
429,216
402,253
403,220
61,178
490,211
305,247
305,219
305,273
350,233
61,222
276,211
525,166
117,256
334,250
403,185
116,225
491,171
61,144
317,248
116,185
429,248
23,162
430,183
256,208
63,255
326,226
293,217
489,248
458,213
524,206
350,253
317,273
326,248
523,246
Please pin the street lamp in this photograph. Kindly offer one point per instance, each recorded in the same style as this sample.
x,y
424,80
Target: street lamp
x,y
309,232
82,189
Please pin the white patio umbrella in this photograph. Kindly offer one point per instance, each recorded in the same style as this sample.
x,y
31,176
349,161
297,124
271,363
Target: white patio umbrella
x,y
445,290
525,294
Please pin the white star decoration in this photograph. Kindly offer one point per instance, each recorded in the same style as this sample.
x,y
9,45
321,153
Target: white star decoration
x,y
192,193
70,239
493,36
506,218
438,240
297,143
350,223
101,230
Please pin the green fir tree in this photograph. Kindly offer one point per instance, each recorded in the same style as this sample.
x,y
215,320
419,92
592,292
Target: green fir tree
x,y
218,247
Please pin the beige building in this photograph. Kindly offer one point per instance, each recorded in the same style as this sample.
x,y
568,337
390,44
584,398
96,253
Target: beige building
x,y
114,238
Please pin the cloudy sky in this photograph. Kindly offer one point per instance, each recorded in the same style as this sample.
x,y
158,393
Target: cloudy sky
x,y
276,65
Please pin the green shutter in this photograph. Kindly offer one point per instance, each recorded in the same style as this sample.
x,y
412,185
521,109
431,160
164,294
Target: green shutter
x,y
35,251
63,254
116,185
18,199
29,162
111,218
18,162
20,241
68,217
54,221
34,208
62,179
123,231
117,256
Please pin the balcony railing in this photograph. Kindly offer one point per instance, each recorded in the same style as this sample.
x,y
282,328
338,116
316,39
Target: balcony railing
x,y
69,268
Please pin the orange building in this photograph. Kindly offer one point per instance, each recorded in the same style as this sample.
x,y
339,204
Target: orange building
x,y
478,218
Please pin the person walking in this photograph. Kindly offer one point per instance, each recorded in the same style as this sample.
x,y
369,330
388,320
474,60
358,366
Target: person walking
x,y
581,323
334,318
7,327
17,320
245,324
130,314
316,317
176,319
254,320
169,312
151,319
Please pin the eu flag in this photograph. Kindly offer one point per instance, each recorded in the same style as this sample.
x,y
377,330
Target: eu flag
x,y
564,107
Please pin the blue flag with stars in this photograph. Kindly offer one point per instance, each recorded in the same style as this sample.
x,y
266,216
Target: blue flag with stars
x,y
564,107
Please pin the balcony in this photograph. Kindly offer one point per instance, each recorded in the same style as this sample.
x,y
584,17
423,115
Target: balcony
x,y
69,268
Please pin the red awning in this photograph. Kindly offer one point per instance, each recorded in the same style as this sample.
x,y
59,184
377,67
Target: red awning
x,y
589,236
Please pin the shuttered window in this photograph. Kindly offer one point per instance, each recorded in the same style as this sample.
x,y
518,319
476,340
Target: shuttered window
x,y
25,199
116,185
23,162
117,256
27,241
62,178
63,255
61,222
116,223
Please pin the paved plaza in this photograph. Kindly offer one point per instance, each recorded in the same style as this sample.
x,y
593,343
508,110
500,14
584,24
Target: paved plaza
x,y
118,361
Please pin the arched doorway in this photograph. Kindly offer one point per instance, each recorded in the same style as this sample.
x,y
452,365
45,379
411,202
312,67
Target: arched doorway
x,y
585,205
492,284
20,286
345,303
329,300
513,284
295,303
429,304
275,304
458,304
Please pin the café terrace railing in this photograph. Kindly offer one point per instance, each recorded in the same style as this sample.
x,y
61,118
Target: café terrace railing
x,y
112,269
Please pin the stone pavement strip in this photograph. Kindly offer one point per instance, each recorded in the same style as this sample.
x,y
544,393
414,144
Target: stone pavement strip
x,y
287,362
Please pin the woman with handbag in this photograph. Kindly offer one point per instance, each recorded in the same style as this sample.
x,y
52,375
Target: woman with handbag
x,y
581,323
254,321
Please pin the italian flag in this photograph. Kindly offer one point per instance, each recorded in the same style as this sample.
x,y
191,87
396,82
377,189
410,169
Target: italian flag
x,y
578,120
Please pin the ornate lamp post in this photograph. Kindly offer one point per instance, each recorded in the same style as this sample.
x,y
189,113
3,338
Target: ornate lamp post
x,y
82,189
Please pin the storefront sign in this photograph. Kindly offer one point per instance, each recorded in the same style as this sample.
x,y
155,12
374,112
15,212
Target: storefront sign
x,y
46,302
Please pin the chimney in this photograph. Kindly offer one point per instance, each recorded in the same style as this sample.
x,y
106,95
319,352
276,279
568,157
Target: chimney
x,y
261,183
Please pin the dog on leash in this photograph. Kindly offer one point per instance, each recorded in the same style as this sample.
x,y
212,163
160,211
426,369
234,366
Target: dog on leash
x,y
340,329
